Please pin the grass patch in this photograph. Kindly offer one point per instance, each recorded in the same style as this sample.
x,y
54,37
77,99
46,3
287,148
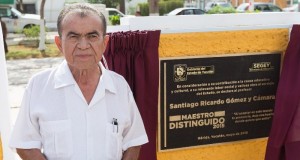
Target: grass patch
x,y
24,52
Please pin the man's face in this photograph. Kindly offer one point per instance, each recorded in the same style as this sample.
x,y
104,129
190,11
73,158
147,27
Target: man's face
x,y
82,41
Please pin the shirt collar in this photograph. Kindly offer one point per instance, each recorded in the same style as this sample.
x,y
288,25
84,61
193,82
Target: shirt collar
x,y
106,79
63,77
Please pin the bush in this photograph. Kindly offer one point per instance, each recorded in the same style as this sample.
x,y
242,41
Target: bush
x,y
114,19
255,11
167,6
94,1
32,32
221,10
144,8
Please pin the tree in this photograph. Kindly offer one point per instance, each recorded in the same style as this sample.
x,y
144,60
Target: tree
x,y
42,29
20,3
42,9
153,7
111,3
108,3
122,6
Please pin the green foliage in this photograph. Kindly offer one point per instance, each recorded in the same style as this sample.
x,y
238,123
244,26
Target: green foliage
x,y
114,19
108,3
32,32
24,52
167,6
94,1
19,31
22,55
144,8
255,11
221,10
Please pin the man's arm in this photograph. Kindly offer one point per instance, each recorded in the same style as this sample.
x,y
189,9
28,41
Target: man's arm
x,y
31,154
132,153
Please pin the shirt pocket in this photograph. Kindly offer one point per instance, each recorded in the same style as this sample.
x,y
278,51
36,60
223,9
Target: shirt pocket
x,y
114,140
57,139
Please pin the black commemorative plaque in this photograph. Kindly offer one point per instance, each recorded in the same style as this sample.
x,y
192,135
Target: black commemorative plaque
x,y
210,100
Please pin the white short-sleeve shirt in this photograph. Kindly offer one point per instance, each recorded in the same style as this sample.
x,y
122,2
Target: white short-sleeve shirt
x,y
56,118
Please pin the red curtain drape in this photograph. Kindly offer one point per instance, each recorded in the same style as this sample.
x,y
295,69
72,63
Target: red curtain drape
x,y
134,55
284,139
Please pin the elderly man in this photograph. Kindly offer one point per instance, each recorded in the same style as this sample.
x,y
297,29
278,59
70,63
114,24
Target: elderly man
x,y
80,110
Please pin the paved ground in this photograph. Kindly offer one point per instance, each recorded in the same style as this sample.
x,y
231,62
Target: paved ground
x,y
19,72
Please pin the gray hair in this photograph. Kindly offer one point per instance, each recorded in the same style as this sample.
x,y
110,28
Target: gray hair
x,y
82,9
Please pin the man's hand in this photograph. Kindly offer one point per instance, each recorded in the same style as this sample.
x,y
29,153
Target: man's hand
x,y
31,154
132,153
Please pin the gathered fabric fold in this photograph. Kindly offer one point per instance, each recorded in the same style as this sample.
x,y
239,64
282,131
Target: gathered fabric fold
x,y
283,143
134,55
